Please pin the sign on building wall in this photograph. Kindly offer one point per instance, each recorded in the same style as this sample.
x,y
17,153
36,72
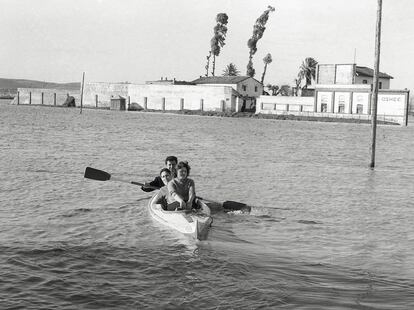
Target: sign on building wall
x,y
391,104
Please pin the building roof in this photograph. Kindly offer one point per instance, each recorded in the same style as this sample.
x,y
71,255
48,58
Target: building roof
x,y
365,71
117,97
220,79
169,82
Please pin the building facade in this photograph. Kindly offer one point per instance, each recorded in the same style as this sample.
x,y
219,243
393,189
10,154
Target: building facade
x,y
349,74
247,88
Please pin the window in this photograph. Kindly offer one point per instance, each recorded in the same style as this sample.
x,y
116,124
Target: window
x,y
359,109
341,104
324,103
364,82
380,85
255,89
244,87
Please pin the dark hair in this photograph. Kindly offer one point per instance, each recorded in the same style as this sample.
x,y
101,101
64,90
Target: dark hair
x,y
171,158
165,170
184,164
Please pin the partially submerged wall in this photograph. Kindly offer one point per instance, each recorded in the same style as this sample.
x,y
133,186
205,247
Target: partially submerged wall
x,y
272,104
99,95
161,97
41,96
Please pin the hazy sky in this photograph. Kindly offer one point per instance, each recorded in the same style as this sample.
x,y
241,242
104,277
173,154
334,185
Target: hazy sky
x,y
139,40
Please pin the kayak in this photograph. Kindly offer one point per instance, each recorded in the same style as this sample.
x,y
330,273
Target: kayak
x,y
194,223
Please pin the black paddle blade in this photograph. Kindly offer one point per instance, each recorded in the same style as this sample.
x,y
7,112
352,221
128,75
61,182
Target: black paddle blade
x,y
236,206
95,174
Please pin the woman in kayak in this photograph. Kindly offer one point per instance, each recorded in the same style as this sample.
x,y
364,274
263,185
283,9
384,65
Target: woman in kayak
x,y
182,188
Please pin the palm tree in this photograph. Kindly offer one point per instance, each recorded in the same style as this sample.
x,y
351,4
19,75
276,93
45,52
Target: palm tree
x,y
307,70
231,70
267,60
217,42
273,88
258,30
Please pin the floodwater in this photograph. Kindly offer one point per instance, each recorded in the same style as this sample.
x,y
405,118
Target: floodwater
x,y
325,231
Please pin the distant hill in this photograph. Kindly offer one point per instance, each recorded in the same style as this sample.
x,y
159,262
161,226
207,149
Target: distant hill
x,y
21,83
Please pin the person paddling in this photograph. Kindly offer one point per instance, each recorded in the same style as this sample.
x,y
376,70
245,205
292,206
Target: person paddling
x,y
182,188
170,164
163,196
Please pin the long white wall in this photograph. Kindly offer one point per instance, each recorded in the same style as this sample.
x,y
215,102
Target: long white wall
x,y
159,97
268,104
43,96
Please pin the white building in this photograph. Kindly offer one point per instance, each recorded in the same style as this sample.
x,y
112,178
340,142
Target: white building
x,y
343,91
349,74
248,89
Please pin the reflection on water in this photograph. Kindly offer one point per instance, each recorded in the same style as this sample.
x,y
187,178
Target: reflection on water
x,y
325,232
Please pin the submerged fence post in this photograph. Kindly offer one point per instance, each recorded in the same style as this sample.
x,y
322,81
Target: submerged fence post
x,y
18,97
163,104
182,104
201,105
54,98
145,103
81,93
30,97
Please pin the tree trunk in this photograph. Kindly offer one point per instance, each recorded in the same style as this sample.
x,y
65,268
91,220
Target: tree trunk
x,y
208,63
213,65
264,72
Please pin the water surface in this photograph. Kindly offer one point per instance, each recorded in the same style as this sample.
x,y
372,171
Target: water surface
x,y
325,231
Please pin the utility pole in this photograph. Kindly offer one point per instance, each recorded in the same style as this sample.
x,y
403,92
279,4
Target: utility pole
x,y
354,55
375,84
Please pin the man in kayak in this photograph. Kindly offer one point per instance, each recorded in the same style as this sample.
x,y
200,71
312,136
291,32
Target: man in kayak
x,y
182,188
163,196
170,164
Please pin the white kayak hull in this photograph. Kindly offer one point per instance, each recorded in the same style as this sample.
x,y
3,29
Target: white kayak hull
x,y
194,224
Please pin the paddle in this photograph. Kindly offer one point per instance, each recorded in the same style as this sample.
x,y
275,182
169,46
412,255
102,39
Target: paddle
x,y
230,205
99,175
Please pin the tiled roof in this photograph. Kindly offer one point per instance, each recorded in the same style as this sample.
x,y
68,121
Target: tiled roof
x,y
365,71
220,79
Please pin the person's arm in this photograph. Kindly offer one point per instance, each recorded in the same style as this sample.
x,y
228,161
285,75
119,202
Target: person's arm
x,y
173,192
159,198
191,195
154,183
